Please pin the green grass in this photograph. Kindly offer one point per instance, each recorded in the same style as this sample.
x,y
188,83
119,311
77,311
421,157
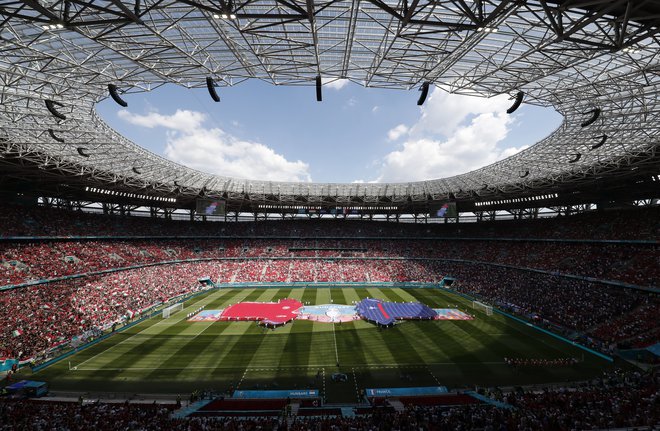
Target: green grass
x,y
176,356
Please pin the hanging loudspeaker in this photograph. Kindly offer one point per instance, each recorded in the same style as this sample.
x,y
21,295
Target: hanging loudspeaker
x,y
50,105
54,136
576,157
600,143
516,103
595,113
210,85
319,94
425,92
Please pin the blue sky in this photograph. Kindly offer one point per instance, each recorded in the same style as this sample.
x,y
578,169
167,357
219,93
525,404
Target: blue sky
x,y
262,131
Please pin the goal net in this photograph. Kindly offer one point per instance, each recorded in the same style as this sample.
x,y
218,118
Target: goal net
x,y
168,311
483,307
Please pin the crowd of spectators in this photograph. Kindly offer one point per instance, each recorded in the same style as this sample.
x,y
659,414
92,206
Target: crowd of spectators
x,y
632,224
638,328
22,262
616,400
576,304
49,314
70,416
40,317
601,315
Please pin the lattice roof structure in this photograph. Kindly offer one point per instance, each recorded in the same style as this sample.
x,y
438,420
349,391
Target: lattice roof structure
x,y
587,59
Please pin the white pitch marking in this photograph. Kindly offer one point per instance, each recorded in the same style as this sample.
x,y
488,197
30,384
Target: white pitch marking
x,y
140,332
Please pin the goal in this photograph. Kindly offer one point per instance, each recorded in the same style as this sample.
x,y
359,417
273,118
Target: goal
x,y
168,311
483,307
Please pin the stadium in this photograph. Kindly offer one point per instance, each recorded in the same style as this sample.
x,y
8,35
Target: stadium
x,y
139,293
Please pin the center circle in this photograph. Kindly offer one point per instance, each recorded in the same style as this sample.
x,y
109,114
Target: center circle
x,y
333,313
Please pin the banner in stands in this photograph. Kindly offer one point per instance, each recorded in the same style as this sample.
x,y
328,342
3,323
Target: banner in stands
x,y
407,392
295,394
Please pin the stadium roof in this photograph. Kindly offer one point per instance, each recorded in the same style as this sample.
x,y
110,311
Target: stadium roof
x,y
590,59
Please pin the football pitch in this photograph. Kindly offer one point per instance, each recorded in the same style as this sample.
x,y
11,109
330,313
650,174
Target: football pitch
x,y
177,356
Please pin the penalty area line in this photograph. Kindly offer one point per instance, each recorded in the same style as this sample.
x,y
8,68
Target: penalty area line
x,y
242,378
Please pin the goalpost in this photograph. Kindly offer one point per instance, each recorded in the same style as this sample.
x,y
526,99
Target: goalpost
x,y
168,311
483,307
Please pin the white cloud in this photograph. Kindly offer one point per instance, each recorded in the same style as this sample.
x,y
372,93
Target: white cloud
x,y
216,151
443,112
181,120
334,83
454,134
397,132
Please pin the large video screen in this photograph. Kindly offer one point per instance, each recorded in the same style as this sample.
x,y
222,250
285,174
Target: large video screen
x,y
444,210
210,207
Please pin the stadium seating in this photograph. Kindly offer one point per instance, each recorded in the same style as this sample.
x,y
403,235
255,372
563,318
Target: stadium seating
x,y
23,262
617,400
627,224
48,315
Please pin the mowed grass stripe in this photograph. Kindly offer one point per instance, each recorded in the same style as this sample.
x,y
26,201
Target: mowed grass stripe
x,y
126,342
321,349
179,336
451,339
427,337
398,340
465,335
518,337
453,344
309,295
397,344
285,346
181,355
517,340
61,372
180,372
147,354
371,340
274,344
241,347
224,335
216,355
467,331
349,342
219,338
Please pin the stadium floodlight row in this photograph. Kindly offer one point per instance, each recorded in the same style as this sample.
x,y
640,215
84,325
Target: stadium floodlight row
x,y
595,62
